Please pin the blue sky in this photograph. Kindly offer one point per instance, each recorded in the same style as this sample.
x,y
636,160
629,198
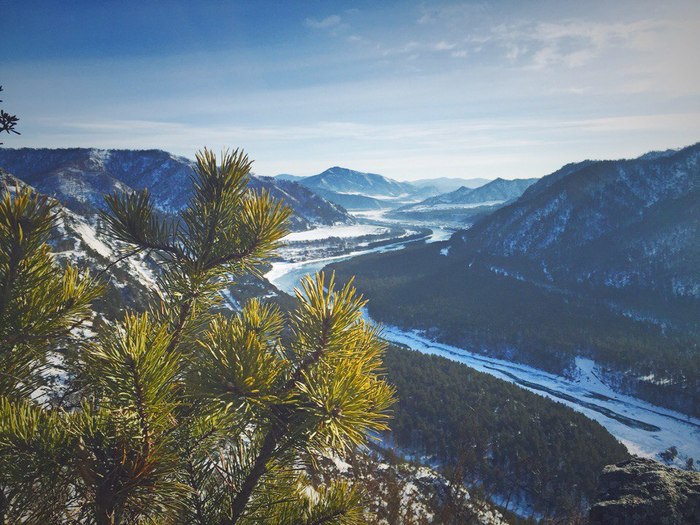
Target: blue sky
x,y
408,89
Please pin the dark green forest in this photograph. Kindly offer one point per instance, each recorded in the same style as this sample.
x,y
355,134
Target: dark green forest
x,y
507,441
513,319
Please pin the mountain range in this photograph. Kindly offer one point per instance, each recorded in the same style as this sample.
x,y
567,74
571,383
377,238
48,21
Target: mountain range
x,y
80,177
133,283
448,184
465,204
392,483
356,190
625,230
435,185
497,191
359,191
599,259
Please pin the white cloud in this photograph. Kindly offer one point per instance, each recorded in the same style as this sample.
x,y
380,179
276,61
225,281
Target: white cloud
x,y
570,43
323,23
443,45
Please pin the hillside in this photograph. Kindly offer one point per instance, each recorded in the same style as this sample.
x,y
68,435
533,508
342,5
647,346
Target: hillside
x,y
80,177
625,231
133,281
518,446
599,259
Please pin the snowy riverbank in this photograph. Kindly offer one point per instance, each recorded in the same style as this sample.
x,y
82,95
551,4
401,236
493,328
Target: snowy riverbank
x,y
645,429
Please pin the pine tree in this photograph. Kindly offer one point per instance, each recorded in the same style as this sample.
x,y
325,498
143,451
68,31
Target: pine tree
x,y
178,415
8,122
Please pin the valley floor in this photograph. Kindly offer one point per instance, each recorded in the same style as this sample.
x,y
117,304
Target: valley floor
x,y
645,429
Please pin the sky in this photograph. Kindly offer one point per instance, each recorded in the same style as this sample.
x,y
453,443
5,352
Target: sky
x,y
408,89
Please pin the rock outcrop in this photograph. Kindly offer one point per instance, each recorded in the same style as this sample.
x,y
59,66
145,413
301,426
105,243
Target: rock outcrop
x,y
644,492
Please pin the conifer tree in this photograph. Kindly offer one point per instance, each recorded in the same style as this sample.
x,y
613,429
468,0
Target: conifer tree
x,y
178,415
8,122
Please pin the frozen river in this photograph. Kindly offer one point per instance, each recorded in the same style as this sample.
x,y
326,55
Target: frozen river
x,y
645,429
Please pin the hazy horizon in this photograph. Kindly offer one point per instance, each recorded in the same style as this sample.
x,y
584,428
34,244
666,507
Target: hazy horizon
x,y
409,90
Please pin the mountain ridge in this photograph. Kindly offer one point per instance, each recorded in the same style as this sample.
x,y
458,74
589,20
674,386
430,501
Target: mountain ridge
x,y
599,259
609,225
499,189
360,190
79,177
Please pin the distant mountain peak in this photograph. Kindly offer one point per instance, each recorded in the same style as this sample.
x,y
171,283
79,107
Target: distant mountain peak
x,y
497,191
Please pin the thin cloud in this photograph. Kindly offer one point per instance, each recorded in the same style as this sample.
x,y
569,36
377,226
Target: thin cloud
x,y
571,43
443,45
323,23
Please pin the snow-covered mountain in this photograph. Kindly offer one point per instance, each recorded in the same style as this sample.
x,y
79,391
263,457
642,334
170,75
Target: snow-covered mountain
x,y
448,184
495,192
626,229
357,190
343,180
464,205
79,239
80,177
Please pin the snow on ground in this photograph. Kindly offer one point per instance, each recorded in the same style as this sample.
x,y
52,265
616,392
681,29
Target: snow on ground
x,y
286,275
230,300
87,234
355,230
645,429
441,232
454,206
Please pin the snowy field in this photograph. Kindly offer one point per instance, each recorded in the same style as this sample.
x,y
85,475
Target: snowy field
x,y
286,275
355,230
455,206
441,232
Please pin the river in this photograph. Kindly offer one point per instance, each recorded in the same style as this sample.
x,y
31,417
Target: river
x,y
645,429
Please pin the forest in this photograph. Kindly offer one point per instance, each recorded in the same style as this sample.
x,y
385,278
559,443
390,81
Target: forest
x,y
504,316
507,442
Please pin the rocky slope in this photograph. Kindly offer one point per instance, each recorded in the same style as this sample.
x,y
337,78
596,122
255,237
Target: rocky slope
x,y
642,491
132,283
80,177
402,493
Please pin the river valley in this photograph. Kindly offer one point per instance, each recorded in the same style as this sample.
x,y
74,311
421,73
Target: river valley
x,y
645,429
